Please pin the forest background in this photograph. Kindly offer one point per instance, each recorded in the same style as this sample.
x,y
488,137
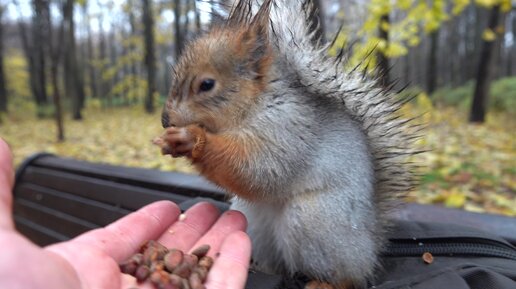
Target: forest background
x,y
87,79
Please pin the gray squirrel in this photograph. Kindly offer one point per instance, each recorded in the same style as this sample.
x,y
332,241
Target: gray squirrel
x,y
313,154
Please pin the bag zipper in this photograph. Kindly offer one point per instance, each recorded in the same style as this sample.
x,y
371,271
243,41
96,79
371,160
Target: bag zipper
x,y
466,247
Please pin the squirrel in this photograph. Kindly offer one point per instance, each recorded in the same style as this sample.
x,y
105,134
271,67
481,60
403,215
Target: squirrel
x,y
313,153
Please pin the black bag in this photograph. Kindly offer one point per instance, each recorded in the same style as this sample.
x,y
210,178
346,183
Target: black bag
x,y
457,257
462,258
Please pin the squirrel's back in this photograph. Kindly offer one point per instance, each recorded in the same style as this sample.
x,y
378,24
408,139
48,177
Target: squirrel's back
x,y
308,63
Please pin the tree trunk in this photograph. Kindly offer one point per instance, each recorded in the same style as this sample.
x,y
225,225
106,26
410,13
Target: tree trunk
x,y
124,50
91,57
186,25
148,23
57,103
383,61
509,52
3,88
197,16
463,53
445,51
473,28
73,78
166,75
103,86
499,54
179,42
454,42
134,69
55,51
432,62
29,55
479,105
479,22
212,10
407,77
112,60
415,65
67,61
512,53
39,35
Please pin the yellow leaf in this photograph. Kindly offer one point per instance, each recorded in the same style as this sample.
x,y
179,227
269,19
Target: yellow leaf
x,y
488,35
414,41
395,49
404,4
455,199
459,6
431,26
506,5
424,102
502,201
382,44
474,208
385,26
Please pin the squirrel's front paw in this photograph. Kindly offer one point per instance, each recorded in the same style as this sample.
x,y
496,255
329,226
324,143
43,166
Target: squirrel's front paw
x,y
182,141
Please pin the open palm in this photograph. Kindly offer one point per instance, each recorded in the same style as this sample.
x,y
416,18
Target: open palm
x,y
91,259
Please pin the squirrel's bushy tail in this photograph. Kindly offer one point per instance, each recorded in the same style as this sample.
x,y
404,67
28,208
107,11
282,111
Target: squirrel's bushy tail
x,y
375,108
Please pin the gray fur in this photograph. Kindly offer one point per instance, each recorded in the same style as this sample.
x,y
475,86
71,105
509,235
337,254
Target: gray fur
x,y
357,165
332,158
317,214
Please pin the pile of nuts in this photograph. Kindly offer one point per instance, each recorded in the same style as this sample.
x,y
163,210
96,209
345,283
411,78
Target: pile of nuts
x,y
169,268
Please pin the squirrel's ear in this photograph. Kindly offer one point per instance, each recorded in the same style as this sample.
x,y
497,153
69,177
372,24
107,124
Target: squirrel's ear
x,y
256,47
262,17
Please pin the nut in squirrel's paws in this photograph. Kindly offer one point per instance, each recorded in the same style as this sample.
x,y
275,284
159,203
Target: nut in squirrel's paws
x,y
182,141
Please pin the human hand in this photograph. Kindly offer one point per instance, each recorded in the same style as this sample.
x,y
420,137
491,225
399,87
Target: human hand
x,y
91,259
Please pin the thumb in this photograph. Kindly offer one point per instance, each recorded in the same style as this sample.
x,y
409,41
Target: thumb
x,y
6,185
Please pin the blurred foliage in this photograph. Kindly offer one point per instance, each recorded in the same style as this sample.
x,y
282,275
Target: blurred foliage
x,y
468,166
501,95
120,136
406,31
17,78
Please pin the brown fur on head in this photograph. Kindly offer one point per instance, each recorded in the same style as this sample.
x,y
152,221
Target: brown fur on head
x,y
221,74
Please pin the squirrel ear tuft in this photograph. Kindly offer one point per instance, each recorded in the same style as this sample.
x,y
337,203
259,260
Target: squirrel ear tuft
x,y
262,17
255,42
242,11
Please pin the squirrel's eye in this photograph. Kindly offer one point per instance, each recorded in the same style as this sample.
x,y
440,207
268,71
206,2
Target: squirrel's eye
x,y
207,84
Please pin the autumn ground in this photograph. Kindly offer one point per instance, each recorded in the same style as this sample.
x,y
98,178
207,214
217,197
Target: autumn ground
x,y
468,166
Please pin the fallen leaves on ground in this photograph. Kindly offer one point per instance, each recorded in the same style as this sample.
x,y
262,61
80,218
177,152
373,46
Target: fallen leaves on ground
x,y
468,166
121,136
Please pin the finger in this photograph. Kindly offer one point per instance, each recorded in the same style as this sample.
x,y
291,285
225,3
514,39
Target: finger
x,y
229,222
231,266
124,237
6,185
194,223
